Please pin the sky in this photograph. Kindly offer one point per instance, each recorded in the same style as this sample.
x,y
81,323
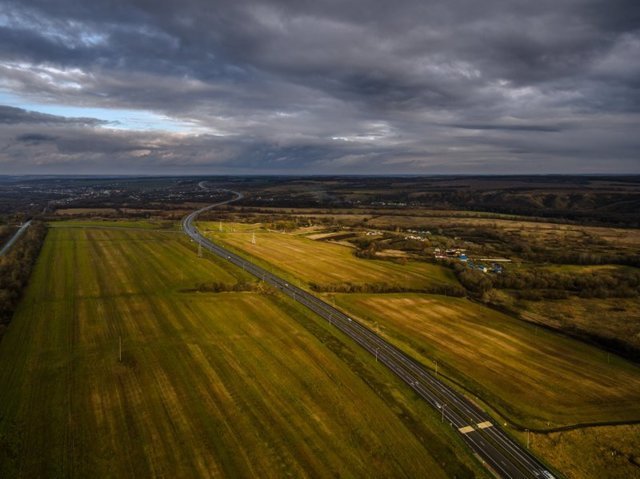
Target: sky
x,y
319,87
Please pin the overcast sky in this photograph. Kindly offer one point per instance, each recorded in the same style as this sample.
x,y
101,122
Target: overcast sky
x,y
376,86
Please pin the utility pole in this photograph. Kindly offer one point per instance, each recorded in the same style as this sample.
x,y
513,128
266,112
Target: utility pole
x,y
442,409
253,238
377,349
120,347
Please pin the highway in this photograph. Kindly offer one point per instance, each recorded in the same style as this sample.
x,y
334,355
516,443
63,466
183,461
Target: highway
x,y
503,455
14,238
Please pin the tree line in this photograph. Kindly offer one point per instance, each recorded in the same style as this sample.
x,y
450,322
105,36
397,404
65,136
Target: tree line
x,y
15,270
6,231
220,287
350,287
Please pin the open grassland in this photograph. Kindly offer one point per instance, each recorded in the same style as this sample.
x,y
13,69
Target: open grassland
x,y
511,225
541,235
615,318
534,377
515,223
325,263
210,385
580,269
547,235
611,322
607,451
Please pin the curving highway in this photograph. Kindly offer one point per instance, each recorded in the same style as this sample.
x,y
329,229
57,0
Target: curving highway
x,y
504,456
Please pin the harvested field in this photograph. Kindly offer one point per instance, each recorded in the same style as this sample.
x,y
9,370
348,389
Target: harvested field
x,y
209,385
534,377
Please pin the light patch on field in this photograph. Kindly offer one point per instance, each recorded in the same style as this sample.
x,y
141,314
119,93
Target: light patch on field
x,y
392,253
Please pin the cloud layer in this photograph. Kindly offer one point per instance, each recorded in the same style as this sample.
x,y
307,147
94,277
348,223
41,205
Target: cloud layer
x,y
455,86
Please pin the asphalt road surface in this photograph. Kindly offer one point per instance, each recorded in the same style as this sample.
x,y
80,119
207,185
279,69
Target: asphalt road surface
x,y
14,238
498,451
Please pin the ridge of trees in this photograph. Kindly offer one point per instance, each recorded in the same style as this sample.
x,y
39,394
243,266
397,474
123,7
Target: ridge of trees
x,y
352,287
15,270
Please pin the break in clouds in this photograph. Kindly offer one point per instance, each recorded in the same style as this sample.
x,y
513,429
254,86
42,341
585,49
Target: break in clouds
x,y
195,86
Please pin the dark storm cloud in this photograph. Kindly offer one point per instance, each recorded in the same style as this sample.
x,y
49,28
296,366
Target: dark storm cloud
x,y
413,86
11,115
34,138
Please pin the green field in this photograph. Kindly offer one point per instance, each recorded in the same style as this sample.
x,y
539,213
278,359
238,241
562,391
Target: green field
x,y
534,377
325,263
210,384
